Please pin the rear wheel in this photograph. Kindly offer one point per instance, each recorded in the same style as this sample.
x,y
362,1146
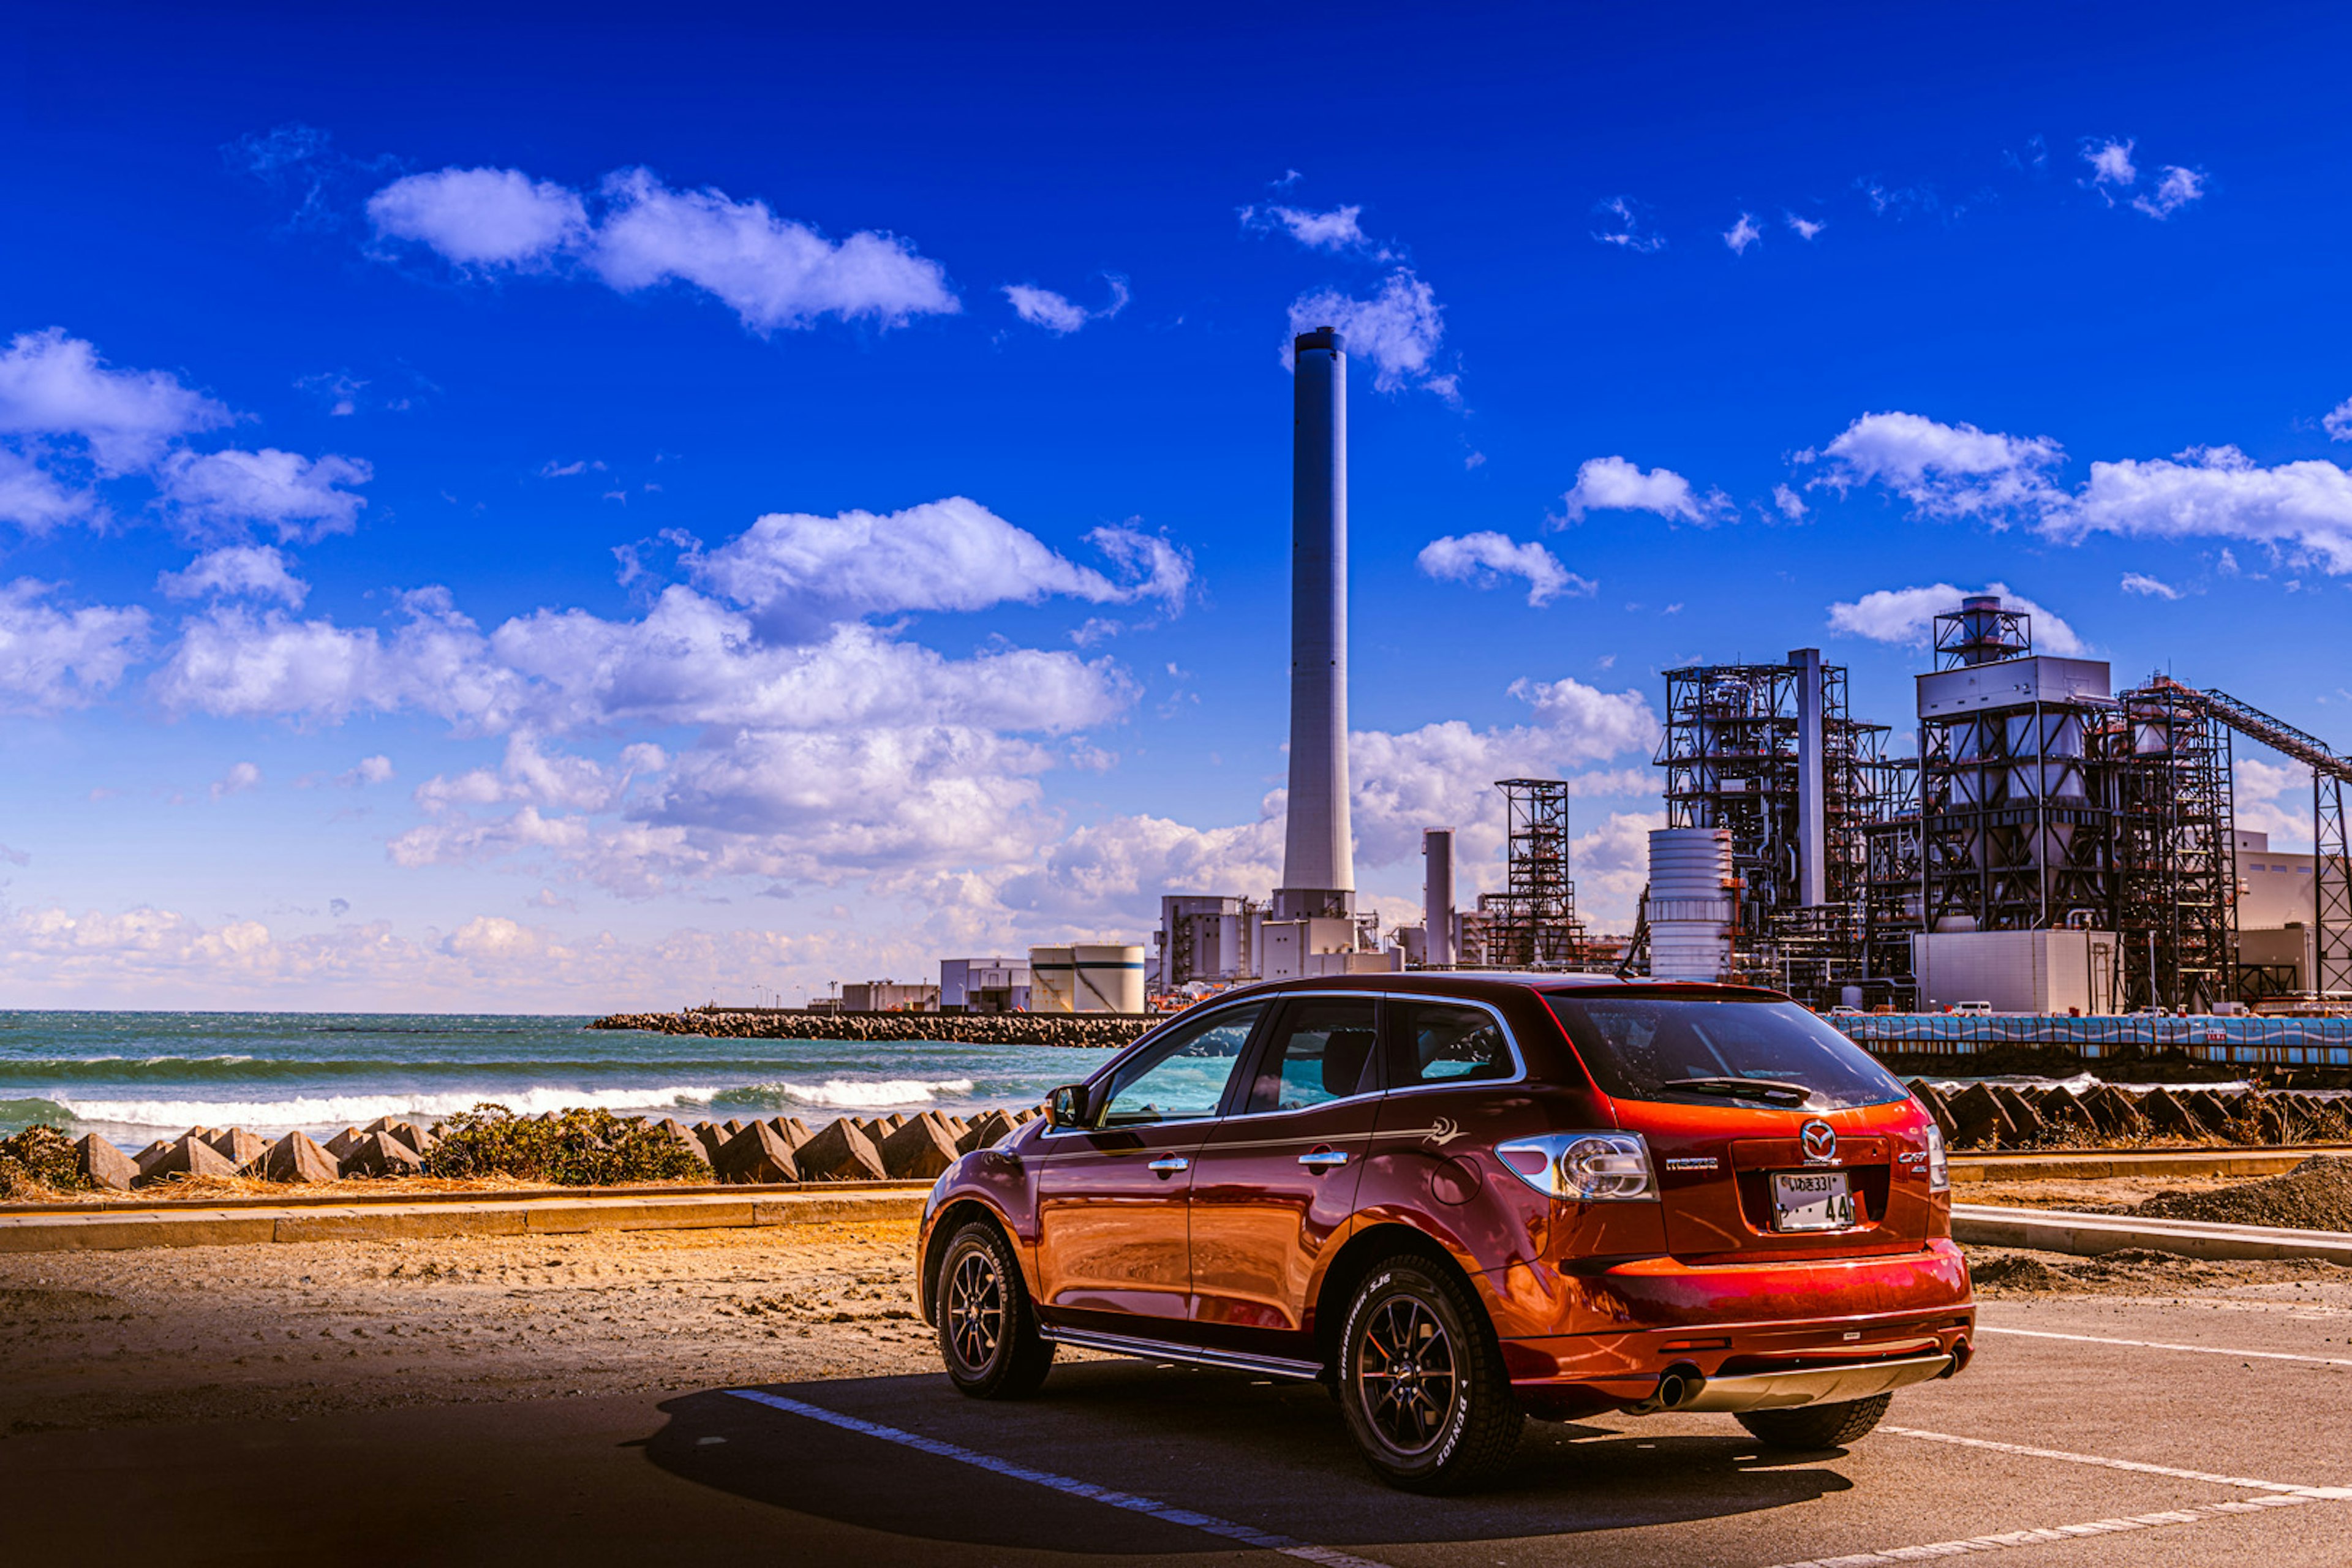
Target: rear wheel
x,y
1813,1426
988,1329
1423,1382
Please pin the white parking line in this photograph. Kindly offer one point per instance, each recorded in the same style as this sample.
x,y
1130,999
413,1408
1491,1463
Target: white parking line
x,y
2011,1540
1246,1534
2165,1345
2309,1494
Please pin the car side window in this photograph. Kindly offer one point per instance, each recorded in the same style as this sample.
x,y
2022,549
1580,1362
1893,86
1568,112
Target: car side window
x,y
1438,1042
1183,1077
1321,1051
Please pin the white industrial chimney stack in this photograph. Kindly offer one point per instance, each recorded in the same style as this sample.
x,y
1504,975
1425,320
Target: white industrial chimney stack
x,y
1318,862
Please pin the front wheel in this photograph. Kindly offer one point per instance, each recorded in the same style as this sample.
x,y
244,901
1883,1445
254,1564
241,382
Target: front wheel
x,y
1421,1381
988,1329
1816,1427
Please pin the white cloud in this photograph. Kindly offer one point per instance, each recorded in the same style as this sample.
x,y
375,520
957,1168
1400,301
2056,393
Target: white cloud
x,y
301,497
1743,233
1397,330
2273,798
2111,162
774,272
1624,223
482,217
1905,615
1055,313
370,771
1789,504
1944,470
52,384
1486,558
1613,484
241,777
799,570
1807,229
253,569
2218,493
2141,583
1337,229
2337,422
36,499
2175,190
52,660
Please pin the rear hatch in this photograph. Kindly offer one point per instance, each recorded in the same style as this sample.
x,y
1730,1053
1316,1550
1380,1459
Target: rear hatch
x,y
1771,1134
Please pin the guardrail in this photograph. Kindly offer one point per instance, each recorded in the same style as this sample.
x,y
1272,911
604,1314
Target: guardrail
x,y
2224,1040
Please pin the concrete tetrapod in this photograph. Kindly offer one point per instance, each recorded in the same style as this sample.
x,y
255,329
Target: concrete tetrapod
x,y
984,1131
238,1146
102,1165
1980,1119
919,1150
295,1158
841,1153
381,1155
187,1155
756,1154
684,1139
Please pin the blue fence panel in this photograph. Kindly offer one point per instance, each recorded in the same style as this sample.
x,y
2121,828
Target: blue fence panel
x,y
2231,1040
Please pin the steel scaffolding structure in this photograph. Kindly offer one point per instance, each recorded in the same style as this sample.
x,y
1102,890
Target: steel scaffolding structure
x,y
2016,816
2175,905
1532,924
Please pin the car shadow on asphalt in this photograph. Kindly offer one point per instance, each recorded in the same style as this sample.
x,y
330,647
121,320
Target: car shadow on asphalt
x,y
1274,1456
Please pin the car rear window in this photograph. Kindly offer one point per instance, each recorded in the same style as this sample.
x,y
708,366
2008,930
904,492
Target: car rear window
x,y
1637,1047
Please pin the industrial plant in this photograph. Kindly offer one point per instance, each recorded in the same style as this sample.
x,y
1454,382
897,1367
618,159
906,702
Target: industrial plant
x,y
2043,844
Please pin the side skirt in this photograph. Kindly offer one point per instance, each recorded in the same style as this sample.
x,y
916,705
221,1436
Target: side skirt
x,y
1193,1355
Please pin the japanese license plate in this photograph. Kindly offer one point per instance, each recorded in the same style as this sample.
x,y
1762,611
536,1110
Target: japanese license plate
x,y
1812,1200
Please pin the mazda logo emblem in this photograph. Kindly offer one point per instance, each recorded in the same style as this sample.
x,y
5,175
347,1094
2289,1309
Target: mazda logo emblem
x,y
1819,1140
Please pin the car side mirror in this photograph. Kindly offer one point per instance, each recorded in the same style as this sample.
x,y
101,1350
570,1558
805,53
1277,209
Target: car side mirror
x,y
1066,1106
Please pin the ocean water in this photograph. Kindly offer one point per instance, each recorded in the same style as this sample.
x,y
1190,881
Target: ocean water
x,y
134,1077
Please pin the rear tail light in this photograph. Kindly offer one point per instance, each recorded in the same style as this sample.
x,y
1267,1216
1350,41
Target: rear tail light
x,y
1587,1167
1939,1165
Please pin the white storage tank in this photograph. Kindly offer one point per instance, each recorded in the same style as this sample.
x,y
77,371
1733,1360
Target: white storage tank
x,y
1107,977
1690,903
1053,980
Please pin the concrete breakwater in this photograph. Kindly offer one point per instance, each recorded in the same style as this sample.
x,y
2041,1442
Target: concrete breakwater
x,y
1081,1031
782,1150
1996,1116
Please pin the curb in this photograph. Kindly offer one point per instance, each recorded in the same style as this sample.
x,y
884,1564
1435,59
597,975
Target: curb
x,y
105,1231
2094,1164
2090,1234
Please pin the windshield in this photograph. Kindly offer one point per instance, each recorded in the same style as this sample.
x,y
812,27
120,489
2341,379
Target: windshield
x,y
1705,1048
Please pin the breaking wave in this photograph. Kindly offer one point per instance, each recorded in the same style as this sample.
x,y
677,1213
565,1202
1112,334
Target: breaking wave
x,y
349,1109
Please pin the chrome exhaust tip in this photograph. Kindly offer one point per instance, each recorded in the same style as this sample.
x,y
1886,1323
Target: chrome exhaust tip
x,y
1680,1386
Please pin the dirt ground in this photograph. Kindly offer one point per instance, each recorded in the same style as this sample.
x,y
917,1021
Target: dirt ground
x,y
104,1339
111,1338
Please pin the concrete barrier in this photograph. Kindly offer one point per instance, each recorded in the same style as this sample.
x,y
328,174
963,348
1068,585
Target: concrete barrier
x,y
2089,1235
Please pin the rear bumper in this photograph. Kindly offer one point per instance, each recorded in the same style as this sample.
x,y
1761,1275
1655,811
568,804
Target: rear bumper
x,y
1760,1335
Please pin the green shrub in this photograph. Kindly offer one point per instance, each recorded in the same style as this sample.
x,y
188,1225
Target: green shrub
x,y
577,1148
40,1156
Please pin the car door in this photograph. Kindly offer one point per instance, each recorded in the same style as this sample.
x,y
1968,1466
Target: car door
x,y
1273,1185
1114,1244
1444,1060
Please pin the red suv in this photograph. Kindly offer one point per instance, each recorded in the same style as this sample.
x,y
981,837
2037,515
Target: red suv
x,y
1463,1199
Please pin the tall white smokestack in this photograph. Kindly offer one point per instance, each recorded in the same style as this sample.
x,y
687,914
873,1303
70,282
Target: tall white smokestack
x,y
1437,897
1319,861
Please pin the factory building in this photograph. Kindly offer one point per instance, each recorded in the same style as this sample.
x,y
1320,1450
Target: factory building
x,y
2055,843
888,996
983,985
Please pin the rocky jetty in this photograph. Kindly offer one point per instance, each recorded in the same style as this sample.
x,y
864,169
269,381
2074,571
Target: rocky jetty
x,y
1997,1115
1084,1031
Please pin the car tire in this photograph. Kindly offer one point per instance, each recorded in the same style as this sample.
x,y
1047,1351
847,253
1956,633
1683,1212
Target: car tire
x,y
988,1330
1421,1381
1816,1427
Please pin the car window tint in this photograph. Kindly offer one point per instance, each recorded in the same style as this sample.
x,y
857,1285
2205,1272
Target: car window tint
x,y
1637,1047
1322,1050
1183,1074
1439,1043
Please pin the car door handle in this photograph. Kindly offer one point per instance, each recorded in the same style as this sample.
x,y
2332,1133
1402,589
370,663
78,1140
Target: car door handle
x,y
1324,1159
1168,1164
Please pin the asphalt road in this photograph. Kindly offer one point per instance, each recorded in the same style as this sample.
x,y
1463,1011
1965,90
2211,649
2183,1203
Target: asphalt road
x,y
2239,1451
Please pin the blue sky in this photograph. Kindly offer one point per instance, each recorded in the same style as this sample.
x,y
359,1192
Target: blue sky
x,y
528,510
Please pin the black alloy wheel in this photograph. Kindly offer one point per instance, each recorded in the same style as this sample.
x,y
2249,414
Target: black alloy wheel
x,y
1421,1380
987,1329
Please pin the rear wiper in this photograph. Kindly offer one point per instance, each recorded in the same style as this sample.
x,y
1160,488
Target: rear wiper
x,y
1770,1090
